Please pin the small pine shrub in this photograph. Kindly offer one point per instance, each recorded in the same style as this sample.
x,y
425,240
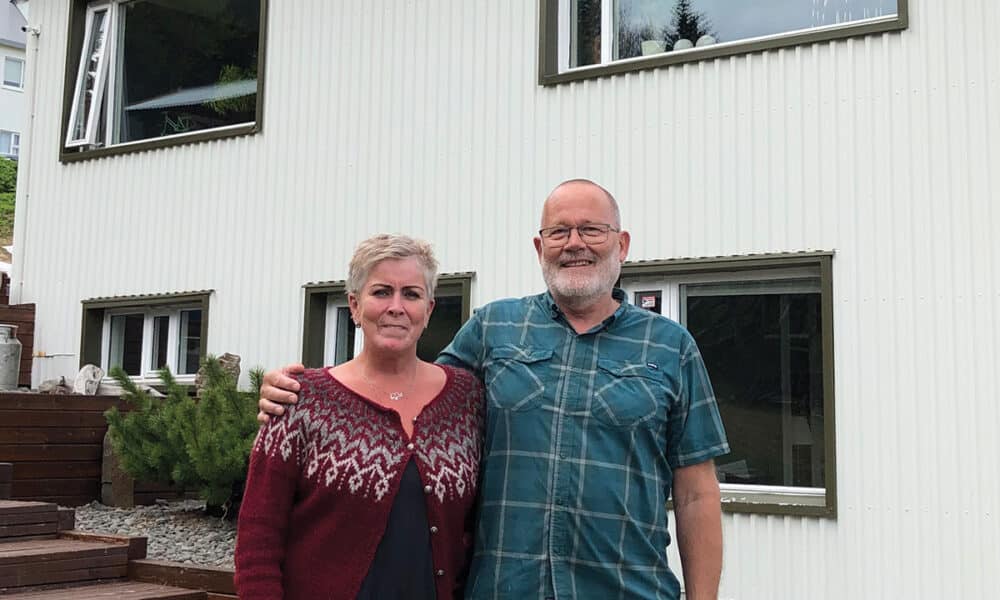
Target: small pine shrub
x,y
201,444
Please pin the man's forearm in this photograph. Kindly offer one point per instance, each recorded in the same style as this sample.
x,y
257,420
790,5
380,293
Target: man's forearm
x,y
699,540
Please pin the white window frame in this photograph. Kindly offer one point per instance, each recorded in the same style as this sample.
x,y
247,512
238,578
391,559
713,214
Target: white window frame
x,y
148,372
333,334
13,148
100,74
19,86
672,286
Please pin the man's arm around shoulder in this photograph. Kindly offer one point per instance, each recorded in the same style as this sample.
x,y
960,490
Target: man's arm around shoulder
x,y
698,515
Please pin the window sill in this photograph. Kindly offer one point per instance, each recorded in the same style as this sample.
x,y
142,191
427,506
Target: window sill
x,y
803,502
13,88
68,155
549,74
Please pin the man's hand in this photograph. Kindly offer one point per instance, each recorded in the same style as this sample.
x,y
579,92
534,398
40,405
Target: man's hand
x,y
278,389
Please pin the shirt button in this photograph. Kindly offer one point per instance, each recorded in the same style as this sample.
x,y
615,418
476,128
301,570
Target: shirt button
x,y
440,572
427,489
434,529
410,446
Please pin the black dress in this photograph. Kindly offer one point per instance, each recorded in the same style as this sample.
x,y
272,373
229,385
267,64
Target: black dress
x,y
403,567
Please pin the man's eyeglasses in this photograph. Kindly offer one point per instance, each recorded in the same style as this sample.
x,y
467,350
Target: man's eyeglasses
x,y
590,233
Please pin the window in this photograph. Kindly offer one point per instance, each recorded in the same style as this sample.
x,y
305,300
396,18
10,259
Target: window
x,y
764,328
330,338
168,70
10,144
142,334
589,38
13,72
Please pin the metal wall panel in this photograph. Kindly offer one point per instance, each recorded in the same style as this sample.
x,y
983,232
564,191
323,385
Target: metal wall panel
x,y
425,117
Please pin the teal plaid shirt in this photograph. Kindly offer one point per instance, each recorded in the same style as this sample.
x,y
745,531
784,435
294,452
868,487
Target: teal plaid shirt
x,y
583,433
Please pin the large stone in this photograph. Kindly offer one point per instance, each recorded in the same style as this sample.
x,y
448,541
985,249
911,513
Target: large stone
x,y
117,487
230,363
88,380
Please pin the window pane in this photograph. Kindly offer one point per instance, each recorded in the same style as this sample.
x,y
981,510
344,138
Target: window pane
x,y
126,343
189,337
13,72
644,27
88,87
445,323
764,356
161,329
345,336
585,33
185,66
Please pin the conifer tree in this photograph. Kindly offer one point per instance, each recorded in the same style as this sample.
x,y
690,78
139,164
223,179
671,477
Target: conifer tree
x,y
687,24
201,445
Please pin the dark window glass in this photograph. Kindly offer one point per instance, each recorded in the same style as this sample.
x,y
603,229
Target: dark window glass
x,y
445,323
185,66
126,342
190,342
764,355
161,329
345,332
585,38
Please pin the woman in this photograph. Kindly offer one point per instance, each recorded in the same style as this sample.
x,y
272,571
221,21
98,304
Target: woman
x,y
365,488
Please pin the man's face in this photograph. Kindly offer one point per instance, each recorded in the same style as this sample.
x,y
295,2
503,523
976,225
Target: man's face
x,y
574,269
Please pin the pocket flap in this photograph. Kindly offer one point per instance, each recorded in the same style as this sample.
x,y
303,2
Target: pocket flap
x,y
630,369
523,355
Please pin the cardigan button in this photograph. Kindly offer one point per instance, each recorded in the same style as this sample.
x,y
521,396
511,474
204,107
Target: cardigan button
x,y
440,572
427,489
410,446
434,529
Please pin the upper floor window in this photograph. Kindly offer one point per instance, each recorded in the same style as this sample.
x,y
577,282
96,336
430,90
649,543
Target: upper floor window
x,y
164,70
588,38
10,144
145,334
13,72
764,329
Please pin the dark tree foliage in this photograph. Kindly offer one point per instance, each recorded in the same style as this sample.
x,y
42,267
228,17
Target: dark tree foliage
x,y
687,24
199,444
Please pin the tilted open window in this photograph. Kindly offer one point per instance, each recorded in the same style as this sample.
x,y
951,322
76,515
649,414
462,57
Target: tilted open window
x,y
157,72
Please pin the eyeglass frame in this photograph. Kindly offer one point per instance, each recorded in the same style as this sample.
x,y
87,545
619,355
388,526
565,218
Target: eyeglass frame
x,y
605,228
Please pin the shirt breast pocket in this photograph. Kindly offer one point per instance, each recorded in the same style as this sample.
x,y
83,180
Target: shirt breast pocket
x,y
515,377
628,394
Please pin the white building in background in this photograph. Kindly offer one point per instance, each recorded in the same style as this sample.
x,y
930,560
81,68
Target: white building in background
x,y
13,106
813,195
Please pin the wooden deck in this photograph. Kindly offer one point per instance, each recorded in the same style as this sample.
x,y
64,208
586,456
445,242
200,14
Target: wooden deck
x,y
39,560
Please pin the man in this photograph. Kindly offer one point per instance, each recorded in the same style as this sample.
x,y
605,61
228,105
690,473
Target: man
x,y
596,411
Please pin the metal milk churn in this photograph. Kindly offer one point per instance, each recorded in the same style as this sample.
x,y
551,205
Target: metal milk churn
x,y
10,357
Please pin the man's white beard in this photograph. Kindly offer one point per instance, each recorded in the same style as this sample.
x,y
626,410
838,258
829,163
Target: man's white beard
x,y
564,283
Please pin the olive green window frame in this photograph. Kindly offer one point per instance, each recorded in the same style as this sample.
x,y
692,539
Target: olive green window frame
x,y
75,38
318,294
92,325
763,502
548,45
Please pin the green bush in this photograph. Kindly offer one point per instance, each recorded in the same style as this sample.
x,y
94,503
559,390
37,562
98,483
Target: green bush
x,y
201,444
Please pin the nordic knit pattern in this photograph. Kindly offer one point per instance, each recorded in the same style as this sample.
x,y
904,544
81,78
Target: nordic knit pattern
x,y
323,478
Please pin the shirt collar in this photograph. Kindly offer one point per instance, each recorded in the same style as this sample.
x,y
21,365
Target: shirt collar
x,y
616,293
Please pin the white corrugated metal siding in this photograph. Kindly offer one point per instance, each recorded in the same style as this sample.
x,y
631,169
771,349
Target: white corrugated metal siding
x,y
425,117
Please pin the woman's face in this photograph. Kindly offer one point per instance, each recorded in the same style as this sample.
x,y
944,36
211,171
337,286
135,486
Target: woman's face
x,y
393,306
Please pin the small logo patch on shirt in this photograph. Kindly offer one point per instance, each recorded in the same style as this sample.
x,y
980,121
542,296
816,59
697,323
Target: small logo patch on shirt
x,y
652,366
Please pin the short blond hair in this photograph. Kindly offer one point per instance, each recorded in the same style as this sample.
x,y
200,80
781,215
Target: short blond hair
x,y
386,246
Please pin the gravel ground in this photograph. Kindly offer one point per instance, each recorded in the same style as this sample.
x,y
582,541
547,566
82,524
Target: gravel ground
x,y
177,531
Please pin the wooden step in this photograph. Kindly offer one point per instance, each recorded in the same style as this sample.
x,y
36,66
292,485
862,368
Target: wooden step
x,y
49,561
123,590
20,519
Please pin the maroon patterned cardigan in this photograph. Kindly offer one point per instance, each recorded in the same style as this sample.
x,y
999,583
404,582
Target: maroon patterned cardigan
x,y
322,481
